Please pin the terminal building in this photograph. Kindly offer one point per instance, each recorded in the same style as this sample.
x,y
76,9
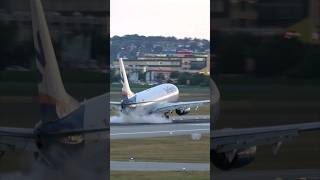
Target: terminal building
x,y
72,24
62,16
263,16
155,67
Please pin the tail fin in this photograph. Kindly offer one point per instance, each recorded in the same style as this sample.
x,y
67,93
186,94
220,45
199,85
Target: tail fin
x,y
214,104
54,100
126,91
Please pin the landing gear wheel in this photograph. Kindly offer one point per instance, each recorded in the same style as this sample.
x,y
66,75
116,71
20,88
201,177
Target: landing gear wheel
x,y
166,115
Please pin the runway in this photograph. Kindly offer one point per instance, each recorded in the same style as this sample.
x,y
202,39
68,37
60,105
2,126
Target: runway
x,y
158,130
157,166
191,118
174,120
285,174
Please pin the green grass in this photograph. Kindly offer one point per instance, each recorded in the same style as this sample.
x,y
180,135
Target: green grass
x,y
159,175
164,149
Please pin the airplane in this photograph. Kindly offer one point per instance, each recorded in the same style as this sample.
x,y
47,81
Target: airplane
x,y
235,148
229,148
68,130
161,99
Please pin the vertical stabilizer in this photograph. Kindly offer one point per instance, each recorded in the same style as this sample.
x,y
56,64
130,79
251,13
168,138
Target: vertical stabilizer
x,y
126,91
214,104
55,103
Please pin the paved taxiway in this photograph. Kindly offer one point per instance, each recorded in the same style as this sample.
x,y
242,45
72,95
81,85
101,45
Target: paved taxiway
x,y
285,174
158,166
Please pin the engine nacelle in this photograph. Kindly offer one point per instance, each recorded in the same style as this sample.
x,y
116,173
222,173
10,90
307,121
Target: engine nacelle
x,y
183,111
226,161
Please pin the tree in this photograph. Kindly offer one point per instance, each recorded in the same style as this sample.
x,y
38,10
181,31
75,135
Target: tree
x,y
160,77
200,79
113,76
99,47
142,76
277,56
183,78
231,50
174,75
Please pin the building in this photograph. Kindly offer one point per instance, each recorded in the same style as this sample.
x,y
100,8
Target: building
x,y
262,16
314,12
73,24
157,66
71,15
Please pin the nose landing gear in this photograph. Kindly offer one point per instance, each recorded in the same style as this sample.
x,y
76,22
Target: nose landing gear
x,y
167,114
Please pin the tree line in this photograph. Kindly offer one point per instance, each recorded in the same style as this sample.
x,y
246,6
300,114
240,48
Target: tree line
x,y
267,56
179,78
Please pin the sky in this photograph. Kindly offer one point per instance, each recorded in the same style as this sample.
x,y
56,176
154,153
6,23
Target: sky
x,y
179,18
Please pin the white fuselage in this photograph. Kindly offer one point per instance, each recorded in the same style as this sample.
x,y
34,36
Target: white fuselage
x,y
150,98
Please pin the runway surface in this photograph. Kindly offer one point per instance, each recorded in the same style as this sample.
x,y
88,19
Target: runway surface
x,y
157,166
290,174
158,130
191,118
172,120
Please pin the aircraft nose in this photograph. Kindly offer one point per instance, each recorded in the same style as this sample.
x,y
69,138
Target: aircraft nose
x,y
176,89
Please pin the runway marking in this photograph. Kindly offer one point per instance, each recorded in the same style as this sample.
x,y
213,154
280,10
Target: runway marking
x,y
154,132
200,124
158,166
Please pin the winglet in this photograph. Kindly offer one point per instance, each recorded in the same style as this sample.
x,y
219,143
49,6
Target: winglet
x,y
126,91
55,102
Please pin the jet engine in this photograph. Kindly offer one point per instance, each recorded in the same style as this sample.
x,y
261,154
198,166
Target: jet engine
x,y
183,111
232,160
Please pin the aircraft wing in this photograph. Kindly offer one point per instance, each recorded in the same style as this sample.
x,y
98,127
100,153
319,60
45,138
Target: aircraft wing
x,y
228,140
12,139
178,105
115,104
